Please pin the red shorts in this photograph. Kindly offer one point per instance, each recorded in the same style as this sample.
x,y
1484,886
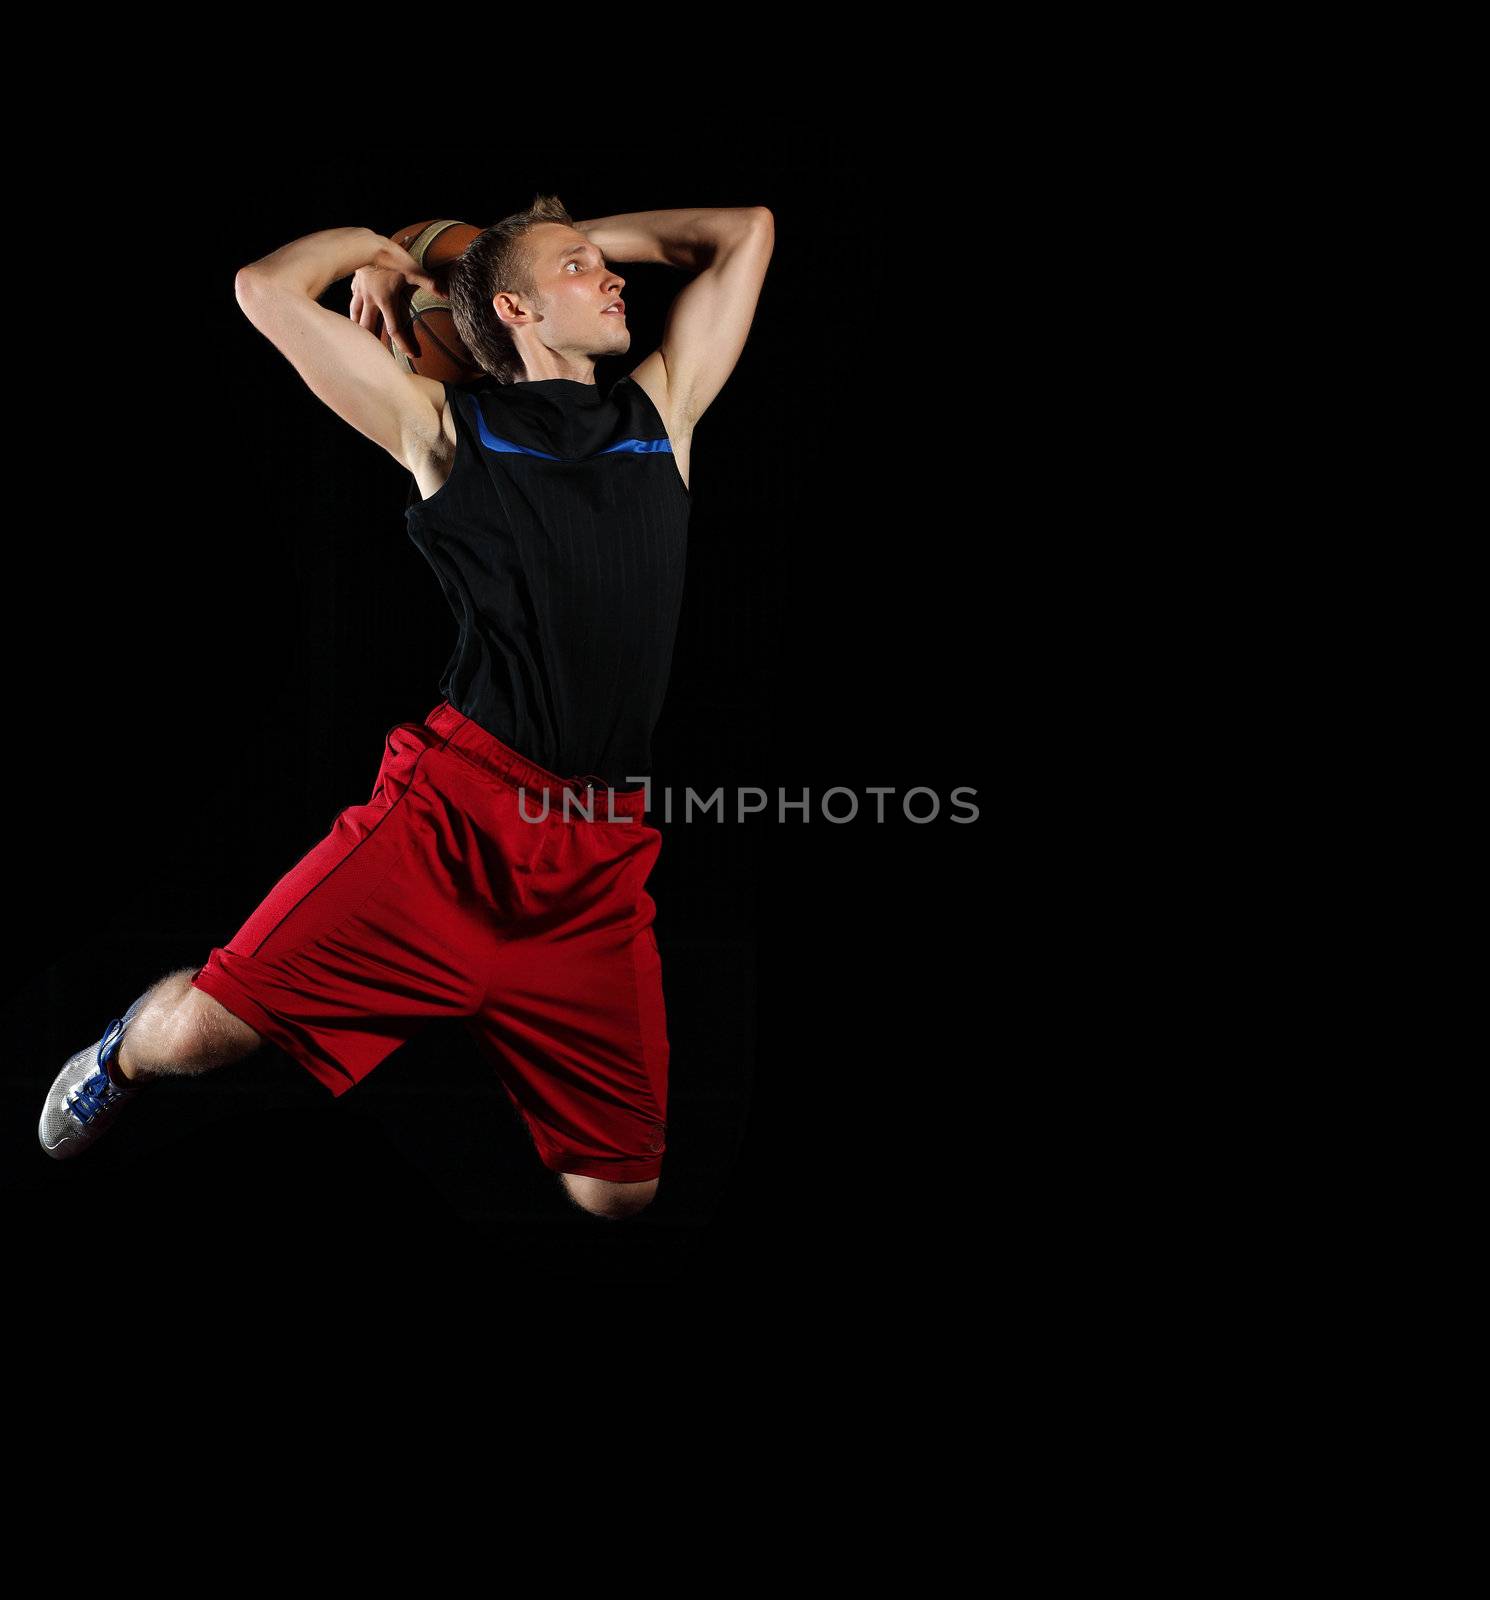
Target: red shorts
x,y
440,898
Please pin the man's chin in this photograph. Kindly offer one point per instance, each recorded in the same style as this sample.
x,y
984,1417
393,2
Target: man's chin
x,y
617,347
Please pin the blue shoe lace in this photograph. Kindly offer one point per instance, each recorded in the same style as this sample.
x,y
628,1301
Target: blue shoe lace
x,y
99,1089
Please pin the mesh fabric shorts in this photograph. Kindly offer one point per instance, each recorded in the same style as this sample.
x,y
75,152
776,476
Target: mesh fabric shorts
x,y
439,898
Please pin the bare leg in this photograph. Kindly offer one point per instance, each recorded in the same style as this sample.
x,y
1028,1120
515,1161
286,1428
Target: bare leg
x,y
602,1198
181,1030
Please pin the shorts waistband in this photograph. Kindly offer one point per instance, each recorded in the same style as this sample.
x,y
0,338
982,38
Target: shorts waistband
x,y
588,789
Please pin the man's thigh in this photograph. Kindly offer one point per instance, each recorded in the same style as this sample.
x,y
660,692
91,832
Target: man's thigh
x,y
364,940
576,1029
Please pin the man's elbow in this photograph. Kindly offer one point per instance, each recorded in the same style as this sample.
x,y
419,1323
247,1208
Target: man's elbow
x,y
745,228
255,287
248,283
266,300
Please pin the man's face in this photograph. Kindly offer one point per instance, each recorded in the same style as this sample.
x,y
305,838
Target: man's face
x,y
575,287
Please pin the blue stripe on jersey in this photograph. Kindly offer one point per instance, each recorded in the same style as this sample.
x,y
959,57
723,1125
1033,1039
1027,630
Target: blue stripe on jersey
x,y
638,444
506,447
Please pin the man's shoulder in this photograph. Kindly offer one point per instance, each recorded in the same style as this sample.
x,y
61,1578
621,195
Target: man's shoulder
x,y
650,377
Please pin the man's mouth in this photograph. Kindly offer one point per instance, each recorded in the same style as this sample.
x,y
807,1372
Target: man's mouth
x,y
618,309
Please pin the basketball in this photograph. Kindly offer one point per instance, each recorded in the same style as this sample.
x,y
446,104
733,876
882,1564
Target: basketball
x,y
441,354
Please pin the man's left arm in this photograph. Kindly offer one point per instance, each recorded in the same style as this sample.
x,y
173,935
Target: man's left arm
x,y
728,248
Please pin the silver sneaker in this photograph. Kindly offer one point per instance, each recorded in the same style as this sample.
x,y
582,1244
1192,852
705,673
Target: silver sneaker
x,y
85,1096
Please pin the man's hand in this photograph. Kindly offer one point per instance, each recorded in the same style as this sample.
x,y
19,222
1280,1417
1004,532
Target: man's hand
x,y
380,293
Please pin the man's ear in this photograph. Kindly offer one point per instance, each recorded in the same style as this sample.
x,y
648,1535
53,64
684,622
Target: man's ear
x,y
509,308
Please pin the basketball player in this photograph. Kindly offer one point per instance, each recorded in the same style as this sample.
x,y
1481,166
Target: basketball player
x,y
497,874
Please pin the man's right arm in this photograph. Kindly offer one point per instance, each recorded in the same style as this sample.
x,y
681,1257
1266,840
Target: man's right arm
x,y
343,363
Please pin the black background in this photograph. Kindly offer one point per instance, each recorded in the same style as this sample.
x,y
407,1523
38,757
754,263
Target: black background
x,y
216,613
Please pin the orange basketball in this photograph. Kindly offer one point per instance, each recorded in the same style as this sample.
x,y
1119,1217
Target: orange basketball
x,y
431,330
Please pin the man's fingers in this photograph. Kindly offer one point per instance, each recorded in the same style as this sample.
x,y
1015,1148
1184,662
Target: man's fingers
x,y
393,318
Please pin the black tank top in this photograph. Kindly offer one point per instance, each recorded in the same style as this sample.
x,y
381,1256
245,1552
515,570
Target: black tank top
x,y
560,540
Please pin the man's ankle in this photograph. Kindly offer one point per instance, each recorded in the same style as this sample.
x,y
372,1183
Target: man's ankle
x,y
122,1075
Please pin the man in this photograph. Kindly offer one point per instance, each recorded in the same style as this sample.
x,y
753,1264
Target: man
x,y
488,879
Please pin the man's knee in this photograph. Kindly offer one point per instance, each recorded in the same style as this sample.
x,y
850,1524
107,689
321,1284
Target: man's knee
x,y
602,1198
